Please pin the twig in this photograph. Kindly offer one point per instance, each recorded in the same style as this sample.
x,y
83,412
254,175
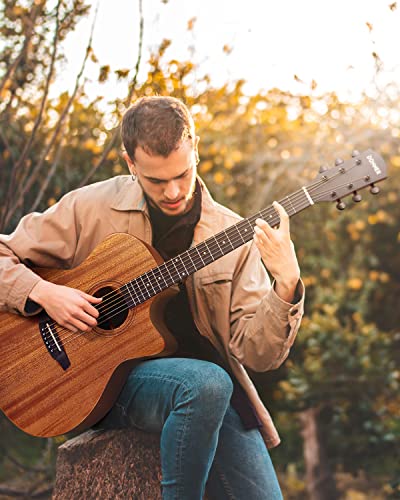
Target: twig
x,y
46,182
132,85
25,467
17,60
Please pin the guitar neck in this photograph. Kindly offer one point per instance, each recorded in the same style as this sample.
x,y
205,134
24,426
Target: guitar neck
x,y
175,270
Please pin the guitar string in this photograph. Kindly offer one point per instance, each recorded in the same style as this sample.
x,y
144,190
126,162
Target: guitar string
x,y
211,244
154,284
74,335
121,307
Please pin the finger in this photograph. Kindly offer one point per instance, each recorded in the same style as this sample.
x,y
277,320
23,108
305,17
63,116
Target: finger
x,y
91,310
70,327
81,325
284,217
85,318
90,298
264,226
261,236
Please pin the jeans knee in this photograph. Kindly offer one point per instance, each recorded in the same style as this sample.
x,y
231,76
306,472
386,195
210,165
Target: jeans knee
x,y
211,388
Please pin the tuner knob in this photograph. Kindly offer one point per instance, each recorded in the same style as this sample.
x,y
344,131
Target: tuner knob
x,y
322,169
355,153
356,197
340,205
374,189
338,161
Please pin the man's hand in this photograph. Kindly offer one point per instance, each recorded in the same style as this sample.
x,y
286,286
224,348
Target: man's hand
x,y
69,307
278,254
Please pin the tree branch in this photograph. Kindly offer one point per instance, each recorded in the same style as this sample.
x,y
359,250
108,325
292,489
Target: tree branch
x,y
132,85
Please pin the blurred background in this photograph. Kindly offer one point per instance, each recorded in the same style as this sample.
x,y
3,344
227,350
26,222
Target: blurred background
x,y
276,89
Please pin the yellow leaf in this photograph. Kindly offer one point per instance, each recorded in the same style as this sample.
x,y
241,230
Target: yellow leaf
x,y
395,161
190,24
219,178
205,166
354,283
373,275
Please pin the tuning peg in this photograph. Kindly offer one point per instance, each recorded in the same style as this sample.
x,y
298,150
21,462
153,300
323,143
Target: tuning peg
x,y
340,205
355,153
338,161
356,197
322,169
374,189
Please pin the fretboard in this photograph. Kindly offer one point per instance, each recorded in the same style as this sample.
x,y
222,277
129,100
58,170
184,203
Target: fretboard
x,y
175,270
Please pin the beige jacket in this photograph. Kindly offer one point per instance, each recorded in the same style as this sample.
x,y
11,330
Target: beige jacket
x,y
232,301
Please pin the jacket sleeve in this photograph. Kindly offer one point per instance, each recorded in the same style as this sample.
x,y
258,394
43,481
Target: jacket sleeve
x,y
40,240
263,326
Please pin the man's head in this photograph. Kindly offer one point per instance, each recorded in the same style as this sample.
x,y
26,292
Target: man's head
x,y
161,150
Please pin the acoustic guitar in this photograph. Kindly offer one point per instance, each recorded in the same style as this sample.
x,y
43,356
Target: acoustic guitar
x,y
53,381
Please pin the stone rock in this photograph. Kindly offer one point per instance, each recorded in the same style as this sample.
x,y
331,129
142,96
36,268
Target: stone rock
x,y
112,464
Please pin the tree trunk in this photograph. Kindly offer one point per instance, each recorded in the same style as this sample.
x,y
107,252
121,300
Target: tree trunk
x,y
320,481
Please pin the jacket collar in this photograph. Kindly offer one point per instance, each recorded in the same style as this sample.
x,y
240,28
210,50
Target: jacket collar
x,y
130,197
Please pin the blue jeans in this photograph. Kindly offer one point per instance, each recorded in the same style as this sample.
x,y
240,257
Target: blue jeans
x,y
202,437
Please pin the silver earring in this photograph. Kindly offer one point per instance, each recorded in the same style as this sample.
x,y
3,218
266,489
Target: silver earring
x,y
133,177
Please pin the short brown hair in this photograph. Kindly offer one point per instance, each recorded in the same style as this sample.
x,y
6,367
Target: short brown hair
x,y
157,124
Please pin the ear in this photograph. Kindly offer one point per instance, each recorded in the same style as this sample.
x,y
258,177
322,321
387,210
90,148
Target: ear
x,y
129,162
196,144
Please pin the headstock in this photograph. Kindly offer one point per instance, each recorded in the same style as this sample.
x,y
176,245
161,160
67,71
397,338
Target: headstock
x,y
348,177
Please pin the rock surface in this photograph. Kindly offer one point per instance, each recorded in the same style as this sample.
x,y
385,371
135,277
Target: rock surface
x,y
116,464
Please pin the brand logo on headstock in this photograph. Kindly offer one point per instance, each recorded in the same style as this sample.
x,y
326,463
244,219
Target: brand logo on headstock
x,y
377,170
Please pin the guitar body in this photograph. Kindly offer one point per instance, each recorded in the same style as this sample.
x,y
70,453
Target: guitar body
x,y
44,399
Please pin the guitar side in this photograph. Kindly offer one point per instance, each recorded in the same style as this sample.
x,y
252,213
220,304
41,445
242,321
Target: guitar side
x,y
42,398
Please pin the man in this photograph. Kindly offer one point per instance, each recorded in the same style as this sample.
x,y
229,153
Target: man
x,y
214,428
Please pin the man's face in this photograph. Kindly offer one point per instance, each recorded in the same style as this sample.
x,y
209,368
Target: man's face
x,y
169,183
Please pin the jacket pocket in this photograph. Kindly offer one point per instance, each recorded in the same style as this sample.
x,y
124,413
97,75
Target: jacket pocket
x,y
216,278
216,290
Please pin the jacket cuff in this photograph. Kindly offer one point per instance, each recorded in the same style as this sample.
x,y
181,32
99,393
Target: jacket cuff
x,y
19,296
288,311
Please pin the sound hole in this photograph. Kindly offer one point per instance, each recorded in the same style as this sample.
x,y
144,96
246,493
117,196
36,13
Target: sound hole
x,y
113,308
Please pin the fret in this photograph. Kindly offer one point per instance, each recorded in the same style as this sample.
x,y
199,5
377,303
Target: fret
x,y
245,229
234,230
133,292
146,294
178,263
130,301
150,284
225,242
160,278
190,265
165,267
154,282
215,238
172,271
203,253
291,206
